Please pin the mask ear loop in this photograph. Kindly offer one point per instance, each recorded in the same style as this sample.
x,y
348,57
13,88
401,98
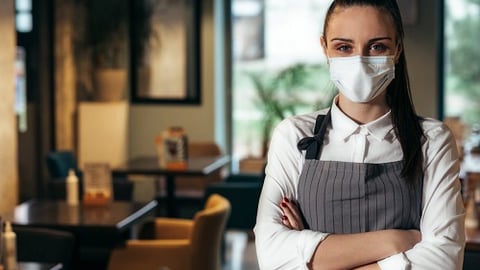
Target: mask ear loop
x,y
323,44
398,50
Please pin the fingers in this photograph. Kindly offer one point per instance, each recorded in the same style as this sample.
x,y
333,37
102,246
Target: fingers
x,y
294,210
291,218
286,222
288,219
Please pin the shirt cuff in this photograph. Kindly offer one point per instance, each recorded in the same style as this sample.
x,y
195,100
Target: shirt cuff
x,y
307,244
395,262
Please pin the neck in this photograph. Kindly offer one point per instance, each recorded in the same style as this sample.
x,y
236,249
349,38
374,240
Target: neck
x,y
363,113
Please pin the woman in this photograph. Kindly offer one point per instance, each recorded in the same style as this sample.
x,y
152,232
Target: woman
x,y
368,184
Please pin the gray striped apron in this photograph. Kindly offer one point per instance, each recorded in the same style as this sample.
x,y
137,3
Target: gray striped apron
x,y
343,197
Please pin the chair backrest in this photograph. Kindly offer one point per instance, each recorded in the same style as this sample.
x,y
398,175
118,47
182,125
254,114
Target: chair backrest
x,y
58,163
201,149
44,245
199,183
207,233
243,192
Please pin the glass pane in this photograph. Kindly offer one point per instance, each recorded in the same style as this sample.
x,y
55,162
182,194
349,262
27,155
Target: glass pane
x,y
23,5
279,68
462,62
23,22
462,68
20,89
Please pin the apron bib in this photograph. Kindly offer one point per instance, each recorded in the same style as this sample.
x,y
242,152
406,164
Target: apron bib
x,y
345,197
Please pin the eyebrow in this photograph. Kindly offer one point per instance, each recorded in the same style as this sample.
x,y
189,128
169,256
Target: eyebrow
x,y
351,41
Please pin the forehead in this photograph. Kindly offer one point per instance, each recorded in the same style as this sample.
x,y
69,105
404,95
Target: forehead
x,y
360,21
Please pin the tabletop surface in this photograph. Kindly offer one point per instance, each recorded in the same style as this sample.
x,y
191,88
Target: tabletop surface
x,y
119,214
195,166
38,266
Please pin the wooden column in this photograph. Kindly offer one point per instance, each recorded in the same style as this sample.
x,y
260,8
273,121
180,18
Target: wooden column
x,y
65,97
8,124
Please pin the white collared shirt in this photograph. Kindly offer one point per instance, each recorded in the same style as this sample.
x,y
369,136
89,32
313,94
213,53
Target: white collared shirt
x,y
442,222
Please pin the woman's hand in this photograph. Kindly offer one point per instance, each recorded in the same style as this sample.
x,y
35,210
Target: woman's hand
x,y
291,215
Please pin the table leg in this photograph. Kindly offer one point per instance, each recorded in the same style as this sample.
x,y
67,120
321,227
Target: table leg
x,y
171,201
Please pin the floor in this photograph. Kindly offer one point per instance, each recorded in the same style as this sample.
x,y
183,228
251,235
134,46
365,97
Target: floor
x,y
240,251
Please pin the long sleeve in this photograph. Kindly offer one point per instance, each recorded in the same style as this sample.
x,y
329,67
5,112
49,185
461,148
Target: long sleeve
x,y
442,223
278,247
442,219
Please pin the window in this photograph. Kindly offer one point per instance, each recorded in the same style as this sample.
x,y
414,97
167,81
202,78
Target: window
x,y
278,70
462,61
24,26
23,15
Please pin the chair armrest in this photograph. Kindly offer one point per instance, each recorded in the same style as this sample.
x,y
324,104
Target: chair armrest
x,y
151,254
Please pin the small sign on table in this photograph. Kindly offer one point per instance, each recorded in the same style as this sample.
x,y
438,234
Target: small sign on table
x,y
97,184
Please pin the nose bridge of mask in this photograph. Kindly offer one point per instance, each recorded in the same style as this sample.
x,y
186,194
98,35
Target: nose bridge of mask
x,y
371,68
375,64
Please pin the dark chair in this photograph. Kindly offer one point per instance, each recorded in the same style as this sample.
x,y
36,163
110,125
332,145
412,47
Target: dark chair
x,y
243,192
59,163
471,260
45,245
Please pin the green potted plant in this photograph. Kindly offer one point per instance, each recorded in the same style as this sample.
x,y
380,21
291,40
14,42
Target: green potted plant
x,y
290,91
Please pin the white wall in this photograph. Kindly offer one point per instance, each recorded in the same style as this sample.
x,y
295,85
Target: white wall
x,y
146,121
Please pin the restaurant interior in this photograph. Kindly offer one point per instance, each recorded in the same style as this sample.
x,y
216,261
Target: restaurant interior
x,y
63,116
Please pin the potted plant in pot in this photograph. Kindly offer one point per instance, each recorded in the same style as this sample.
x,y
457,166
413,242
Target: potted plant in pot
x,y
108,44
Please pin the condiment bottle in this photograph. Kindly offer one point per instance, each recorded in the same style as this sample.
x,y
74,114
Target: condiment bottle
x,y
10,247
72,188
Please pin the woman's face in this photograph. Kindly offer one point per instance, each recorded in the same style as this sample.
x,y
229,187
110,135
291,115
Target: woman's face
x,y
360,30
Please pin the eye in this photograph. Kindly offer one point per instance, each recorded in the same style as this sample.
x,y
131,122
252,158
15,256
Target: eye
x,y
378,48
343,48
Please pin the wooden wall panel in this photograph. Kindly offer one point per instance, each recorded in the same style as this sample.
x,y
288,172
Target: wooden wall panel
x,y
8,125
65,97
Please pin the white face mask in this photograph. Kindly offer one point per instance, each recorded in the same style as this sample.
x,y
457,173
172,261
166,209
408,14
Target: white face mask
x,y
362,78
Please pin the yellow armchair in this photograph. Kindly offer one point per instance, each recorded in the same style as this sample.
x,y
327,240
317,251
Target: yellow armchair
x,y
179,244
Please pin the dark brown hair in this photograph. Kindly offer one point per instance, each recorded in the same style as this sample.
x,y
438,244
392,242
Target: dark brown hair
x,y
399,98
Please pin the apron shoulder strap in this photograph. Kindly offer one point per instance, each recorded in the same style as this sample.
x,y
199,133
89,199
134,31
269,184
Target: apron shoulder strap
x,y
318,123
313,144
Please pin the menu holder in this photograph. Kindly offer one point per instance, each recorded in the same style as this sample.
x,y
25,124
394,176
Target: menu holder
x,y
97,184
172,148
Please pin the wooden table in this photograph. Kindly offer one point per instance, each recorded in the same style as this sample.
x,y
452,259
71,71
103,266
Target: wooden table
x,y
96,228
196,166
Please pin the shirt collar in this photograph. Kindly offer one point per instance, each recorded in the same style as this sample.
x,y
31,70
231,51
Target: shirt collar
x,y
344,127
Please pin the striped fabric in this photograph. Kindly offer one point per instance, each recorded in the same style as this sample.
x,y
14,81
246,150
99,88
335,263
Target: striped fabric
x,y
343,197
